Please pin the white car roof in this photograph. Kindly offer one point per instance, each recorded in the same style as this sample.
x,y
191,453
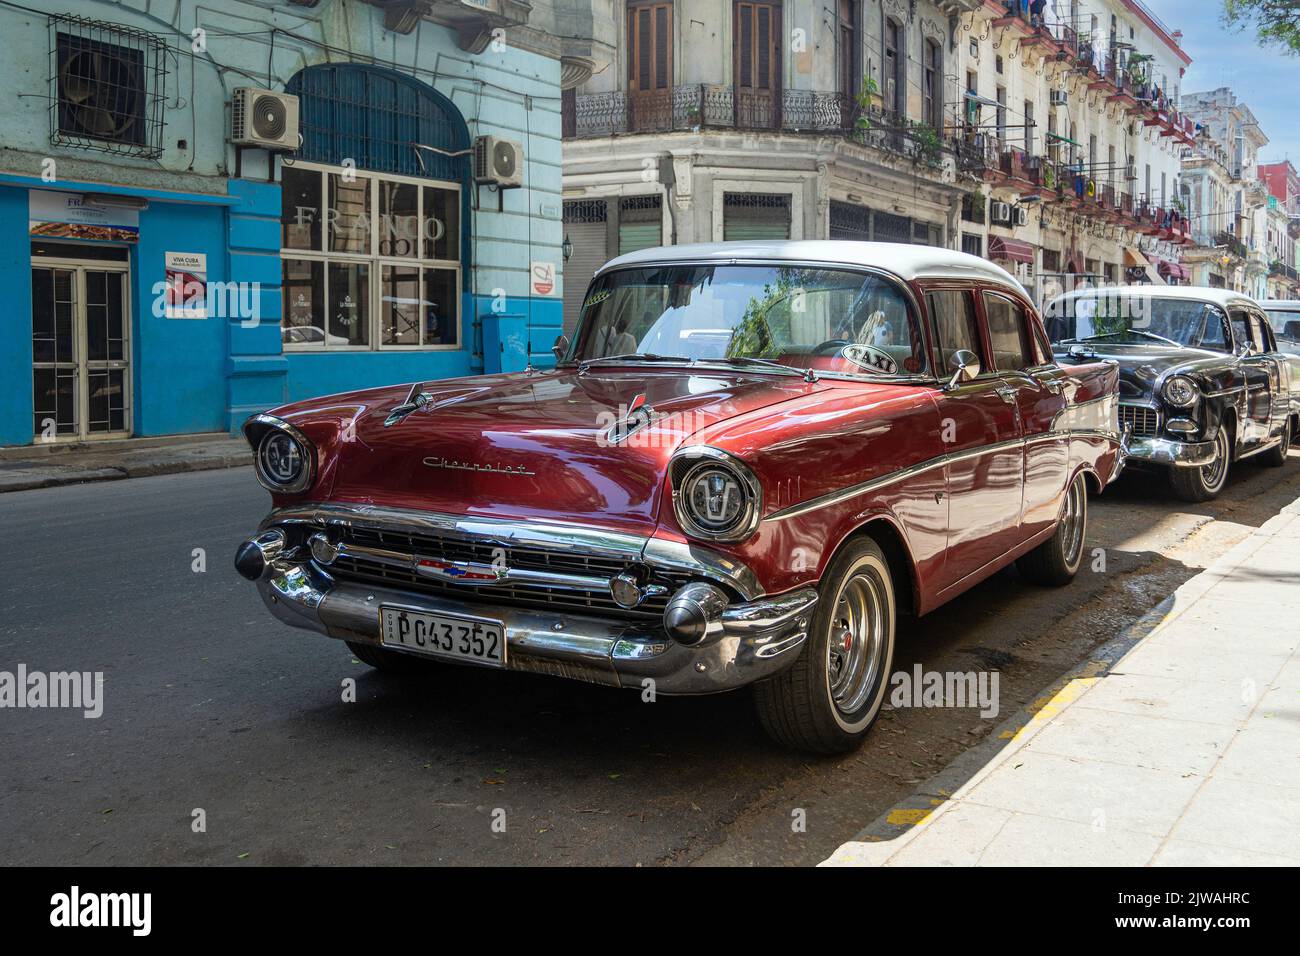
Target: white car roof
x,y
1220,297
908,262
1281,305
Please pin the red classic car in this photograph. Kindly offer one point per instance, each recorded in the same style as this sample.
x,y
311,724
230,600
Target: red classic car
x,y
751,459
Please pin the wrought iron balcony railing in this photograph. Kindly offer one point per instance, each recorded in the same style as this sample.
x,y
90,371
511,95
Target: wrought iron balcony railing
x,y
701,106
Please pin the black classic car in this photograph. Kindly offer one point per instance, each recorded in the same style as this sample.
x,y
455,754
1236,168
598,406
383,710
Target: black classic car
x,y
1202,381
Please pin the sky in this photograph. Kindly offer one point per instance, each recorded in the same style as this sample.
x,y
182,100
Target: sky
x,y
1267,81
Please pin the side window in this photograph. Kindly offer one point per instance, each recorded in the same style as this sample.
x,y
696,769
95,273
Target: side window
x,y
1240,329
1263,334
1007,334
952,315
1214,335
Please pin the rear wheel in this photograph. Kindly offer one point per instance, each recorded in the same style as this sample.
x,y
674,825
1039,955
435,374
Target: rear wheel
x,y
1206,481
1056,561
1276,456
385,660
826,700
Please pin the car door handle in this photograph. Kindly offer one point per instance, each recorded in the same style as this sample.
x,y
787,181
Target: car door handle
x,y
1052,385
1007,393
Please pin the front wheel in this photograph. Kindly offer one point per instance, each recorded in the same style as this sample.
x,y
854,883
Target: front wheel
x,y
1056,561
1206,481
826,700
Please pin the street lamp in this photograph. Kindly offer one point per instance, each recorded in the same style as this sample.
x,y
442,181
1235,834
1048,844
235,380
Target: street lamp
x,y
566,247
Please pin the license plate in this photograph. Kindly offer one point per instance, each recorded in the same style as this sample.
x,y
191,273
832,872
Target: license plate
x,y
444,635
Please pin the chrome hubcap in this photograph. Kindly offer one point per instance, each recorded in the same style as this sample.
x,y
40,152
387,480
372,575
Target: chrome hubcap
x,y
1072,522
856,647
1214,473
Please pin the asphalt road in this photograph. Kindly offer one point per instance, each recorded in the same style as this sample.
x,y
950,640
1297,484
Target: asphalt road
x,y
209,704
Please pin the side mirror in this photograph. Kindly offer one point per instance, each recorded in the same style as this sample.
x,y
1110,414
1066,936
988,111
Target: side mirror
x,y
560,347
964,365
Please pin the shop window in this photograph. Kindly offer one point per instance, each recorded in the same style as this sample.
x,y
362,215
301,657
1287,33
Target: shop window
x,y
370,260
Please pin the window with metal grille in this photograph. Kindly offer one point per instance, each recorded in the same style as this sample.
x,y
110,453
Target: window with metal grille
x,y
750,216
108,86
850,222
640,223
972,244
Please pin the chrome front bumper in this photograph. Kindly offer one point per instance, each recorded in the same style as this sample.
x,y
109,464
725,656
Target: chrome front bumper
x,y
748,641
1168,451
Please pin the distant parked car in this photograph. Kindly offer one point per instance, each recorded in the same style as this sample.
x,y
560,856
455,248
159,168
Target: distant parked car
x,y
1284,315
751,459
1203,382
310,335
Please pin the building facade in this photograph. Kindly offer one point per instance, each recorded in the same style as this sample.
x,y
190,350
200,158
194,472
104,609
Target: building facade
x,y
1283,185
1071,121
1233,215
1048,143
764,119
165,280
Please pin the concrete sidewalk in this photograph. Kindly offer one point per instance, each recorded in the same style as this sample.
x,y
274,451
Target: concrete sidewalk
x,y
1178,745
44,466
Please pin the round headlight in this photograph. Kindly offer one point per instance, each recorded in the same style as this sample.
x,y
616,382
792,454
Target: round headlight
x,y
1181,391
283,461
717,497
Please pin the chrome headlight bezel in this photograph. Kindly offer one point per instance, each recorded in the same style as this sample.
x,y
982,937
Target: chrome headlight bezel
x,y
693,463
261,430
1184,399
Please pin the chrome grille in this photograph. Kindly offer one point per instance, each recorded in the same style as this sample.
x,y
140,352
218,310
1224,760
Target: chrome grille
x,y
1144,420
364,569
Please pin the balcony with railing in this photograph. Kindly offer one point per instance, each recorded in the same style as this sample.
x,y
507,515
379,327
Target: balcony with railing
x,y
701,106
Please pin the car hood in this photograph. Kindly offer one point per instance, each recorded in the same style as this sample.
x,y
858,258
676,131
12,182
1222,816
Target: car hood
x,y
530,445
1142,367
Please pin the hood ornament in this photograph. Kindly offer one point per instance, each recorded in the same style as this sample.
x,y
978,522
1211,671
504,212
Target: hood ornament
x,y
637,416
415,400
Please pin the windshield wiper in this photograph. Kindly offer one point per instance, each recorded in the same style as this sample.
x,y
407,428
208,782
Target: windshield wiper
x,y
1106,335
808,374
630,357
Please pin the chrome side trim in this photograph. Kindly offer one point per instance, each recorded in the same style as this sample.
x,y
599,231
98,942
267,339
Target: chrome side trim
x,y
904,474
556,535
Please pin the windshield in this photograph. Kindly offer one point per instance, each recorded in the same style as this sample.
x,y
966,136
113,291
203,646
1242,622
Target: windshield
x,y
1137,319
829,320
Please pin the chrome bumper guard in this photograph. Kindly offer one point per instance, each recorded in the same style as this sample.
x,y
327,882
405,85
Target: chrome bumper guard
x,y
747,642
1169,451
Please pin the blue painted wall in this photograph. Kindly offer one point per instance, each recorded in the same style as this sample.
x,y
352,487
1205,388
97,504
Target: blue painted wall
x,y
178,365
15,320
210,374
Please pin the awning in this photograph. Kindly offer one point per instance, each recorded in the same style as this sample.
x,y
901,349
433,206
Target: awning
x,y
1172,270
1134,259
1010,250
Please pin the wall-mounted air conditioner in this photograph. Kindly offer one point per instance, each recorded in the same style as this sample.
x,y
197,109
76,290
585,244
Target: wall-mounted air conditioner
x,y
264,118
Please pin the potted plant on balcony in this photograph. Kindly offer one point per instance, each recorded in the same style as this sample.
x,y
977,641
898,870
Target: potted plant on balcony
x,y
693,117
928,142
867,99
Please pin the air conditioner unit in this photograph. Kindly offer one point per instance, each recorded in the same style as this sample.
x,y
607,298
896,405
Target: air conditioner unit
x,y
498,161
1022,216
1000,211
1131,172
264,118
1060,97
